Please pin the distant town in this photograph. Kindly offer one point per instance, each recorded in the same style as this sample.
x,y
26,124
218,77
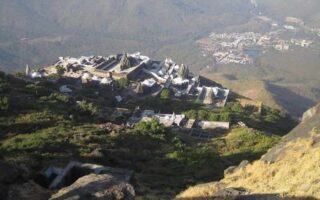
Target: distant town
x,y
244,47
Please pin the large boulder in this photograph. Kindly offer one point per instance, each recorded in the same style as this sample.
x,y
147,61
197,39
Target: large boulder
x,y
94,186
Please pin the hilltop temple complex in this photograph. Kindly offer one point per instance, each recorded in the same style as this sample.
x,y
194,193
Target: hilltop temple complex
x,y
146,77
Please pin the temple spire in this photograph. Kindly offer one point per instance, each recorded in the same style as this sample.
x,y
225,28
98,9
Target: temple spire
x,y
125,62
183,71
27,70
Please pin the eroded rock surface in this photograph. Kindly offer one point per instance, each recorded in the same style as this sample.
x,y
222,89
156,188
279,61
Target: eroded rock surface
x,y
94,186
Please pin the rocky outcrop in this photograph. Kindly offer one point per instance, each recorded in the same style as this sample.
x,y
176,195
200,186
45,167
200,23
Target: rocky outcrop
x,y
311,120
75,170
310,113
95,186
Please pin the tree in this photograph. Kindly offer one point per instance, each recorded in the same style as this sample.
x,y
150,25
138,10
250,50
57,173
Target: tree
x,y
203,115
237,107
59,97
165,94
123,82
60,70
191,114
4,87
37,89
4,103
20,74
2,75
225,117
152,128
214,117
272,115
88,108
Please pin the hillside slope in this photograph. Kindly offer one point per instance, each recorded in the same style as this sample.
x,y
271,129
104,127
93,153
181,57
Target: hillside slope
x,y
293,98
304,9
290,169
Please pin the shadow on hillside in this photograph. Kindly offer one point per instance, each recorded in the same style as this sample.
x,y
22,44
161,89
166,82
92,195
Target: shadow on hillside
x,y
22,128
292,102
208,82
236,158
253,197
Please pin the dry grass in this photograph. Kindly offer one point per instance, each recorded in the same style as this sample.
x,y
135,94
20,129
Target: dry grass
x,y
296,173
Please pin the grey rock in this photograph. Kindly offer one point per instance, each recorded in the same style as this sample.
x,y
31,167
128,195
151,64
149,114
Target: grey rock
x,y
75,170
95,186
310,113
231,192
230,170
243,164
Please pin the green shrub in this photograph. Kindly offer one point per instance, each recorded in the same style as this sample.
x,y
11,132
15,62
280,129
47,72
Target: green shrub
x,y
54,76
88,108
214,117
191,114
152,128
272,115
207,115
245,140
123,82
203,115
4,87
234,107
2,75
4,103
60,69
59,97
225,117
165,94
38,90
237,107
20,74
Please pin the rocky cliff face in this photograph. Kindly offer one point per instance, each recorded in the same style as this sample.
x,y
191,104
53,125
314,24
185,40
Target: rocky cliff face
x,y
311,113
291,169
310,122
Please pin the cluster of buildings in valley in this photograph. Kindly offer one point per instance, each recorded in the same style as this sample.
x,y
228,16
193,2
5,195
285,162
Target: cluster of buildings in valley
x,y
146,77
243,48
